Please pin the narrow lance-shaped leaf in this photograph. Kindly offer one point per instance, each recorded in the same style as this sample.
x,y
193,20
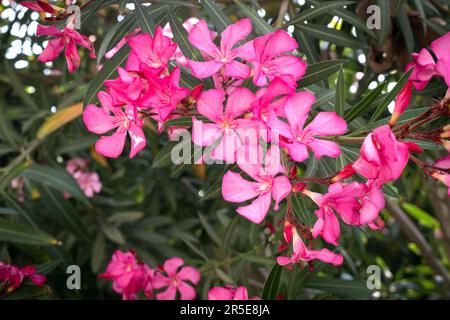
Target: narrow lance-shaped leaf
x,y
318,10
144,20
21,233
261,25
56,178
390,96
364,104
218,17
340,93
318,71
270,289
338,37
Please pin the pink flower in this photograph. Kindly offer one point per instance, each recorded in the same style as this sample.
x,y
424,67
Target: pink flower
x,y
382,157
301,253
223,57
424,69
274,97
297,138
187,25
229,293
441,48
154,52
99,121
165,94
42,6
11,276
266,55
443,176
121,43
401,102
126,273
129,88
176,280
89,182
357,204
267,184
226,124
342,198
443,163
67,38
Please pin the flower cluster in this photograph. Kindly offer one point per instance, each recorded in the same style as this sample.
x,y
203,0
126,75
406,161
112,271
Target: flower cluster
x,y
133,278
88,181
267,133
12,277
130,277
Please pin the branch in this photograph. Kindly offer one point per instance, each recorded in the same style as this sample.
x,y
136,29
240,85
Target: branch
x,y
416,236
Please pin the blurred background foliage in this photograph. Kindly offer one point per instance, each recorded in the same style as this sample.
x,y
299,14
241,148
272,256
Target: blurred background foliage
x,y
161,210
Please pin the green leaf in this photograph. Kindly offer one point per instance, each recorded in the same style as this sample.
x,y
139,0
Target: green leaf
x,y
126,216
390,96
261,25
144,21
385,12
270,289
216,14
349,17
300,209
98,252
209,229
424,218
388,190
21,233
56,178
115,34
63,212
180,36
8,133
12,173
338,287
112,233
338,37
339,102
163,157
439,28
308,47
47,267
320,70
405,27
318,10
364,104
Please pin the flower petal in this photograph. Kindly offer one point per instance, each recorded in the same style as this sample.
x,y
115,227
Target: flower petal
x,y
237,189
234,33
324,148
189,273
111,146
238,70
97,120
200,37
202,69
138,140
210,104
258,209
280,189
239,102
327,124
171,265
